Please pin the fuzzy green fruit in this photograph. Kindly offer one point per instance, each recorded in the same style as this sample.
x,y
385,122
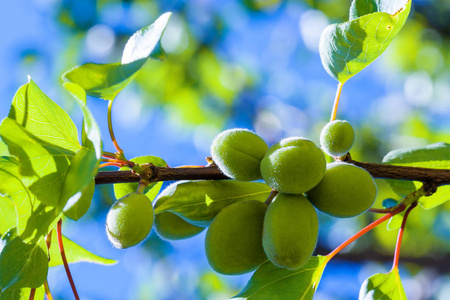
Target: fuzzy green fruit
x,y
171,227
345,191
238,153
293,166
337,138
130,220
291,228
233,241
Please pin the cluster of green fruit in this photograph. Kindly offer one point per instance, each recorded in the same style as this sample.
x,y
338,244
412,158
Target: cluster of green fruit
x,y
245,234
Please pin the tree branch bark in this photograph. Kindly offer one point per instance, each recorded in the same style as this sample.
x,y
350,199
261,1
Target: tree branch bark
x,y
434,177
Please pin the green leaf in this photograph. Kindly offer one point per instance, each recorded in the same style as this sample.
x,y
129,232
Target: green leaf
x,y
22,294
347,48
49,177
122,189
84,166
34,219
81,206
74,253
21,264
441,196
435,156
4,149
395,222
45,164
401,187
198,202
271,282
36,157
105,81
146,41
7,214
43,118
383,287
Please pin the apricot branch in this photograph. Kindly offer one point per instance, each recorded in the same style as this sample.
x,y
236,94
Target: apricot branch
x,y
435,177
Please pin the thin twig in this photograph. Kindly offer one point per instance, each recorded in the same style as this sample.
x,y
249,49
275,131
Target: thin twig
x,y
362,232
32,293
111,131
64,259
400,236
47,291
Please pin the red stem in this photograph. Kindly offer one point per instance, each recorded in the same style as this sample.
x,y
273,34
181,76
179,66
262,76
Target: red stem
x,y
400,236
363,231
32,292
114,160
63,256
110,164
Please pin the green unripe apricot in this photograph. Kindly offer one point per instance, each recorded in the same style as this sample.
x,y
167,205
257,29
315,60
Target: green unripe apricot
x,y
291,228
171,227
130,220
293,165
337,138
238,153
345,191
233,241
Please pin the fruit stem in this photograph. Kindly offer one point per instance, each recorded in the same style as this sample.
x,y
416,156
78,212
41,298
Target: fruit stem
x,y
64,259
363,231
141,186
114,160
400,236
111,132
336,102
110,164
109,154
48,241
272,195
407,201
47,291
32,293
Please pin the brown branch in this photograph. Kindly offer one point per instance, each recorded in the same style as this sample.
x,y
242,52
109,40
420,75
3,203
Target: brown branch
x,y
435,177
426,175
162,174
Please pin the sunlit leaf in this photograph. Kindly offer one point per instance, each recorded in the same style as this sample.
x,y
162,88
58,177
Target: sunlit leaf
x,y
21,264
146,41
22,294
74,253
347,48
44,163
105,81
81,206
271,282
383,287
122,189
435,156
4,149
7,214
84,165
198,202
43,118
34,219
395,222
